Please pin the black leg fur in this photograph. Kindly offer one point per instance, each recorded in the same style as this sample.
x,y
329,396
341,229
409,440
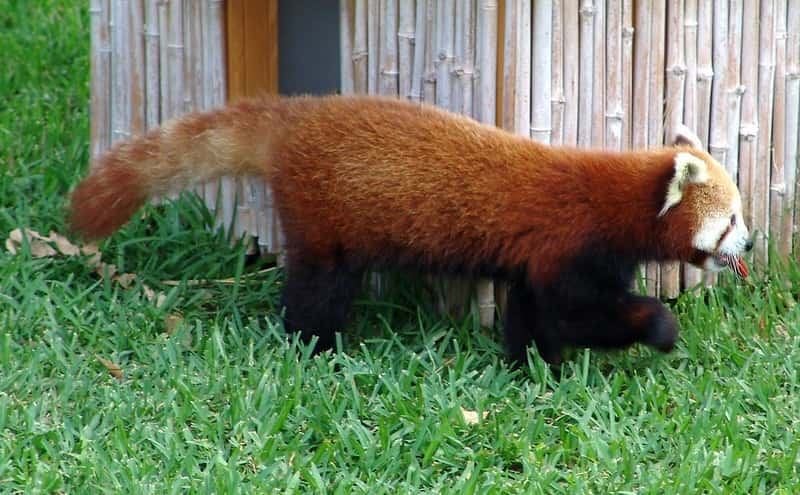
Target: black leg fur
x,y
527,322
317,301
588,306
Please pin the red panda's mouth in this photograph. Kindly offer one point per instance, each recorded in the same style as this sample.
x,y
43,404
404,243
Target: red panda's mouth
x,y
735,263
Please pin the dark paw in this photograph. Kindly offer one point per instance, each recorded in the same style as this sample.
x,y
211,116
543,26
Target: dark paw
x,y
663,331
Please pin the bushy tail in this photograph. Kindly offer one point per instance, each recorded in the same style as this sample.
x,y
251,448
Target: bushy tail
x,y
195,147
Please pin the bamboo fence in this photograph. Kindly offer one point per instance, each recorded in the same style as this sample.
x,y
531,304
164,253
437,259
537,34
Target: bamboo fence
x,y
614,74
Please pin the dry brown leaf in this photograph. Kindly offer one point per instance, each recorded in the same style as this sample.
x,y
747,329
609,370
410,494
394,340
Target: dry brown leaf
x,y
171,323
112,368
125,280
151,295
471,417
106,270
41,249
64,245
37,242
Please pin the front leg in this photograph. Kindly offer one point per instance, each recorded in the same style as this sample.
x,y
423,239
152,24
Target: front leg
x,y
527,321
621,322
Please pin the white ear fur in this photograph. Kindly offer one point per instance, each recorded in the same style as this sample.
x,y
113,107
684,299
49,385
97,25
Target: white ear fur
x,y
686,137
689,169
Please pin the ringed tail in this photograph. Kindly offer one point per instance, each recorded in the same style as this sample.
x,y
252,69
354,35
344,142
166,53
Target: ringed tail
x,y
193,148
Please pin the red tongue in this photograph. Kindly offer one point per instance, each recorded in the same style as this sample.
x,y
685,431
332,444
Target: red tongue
x,y
740,268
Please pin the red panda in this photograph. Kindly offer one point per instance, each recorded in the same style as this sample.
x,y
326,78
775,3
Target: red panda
x,y
363,182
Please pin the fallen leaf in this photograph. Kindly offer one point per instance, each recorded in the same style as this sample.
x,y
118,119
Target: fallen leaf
x,y
40,249
125,280
152,295
471,417
171,323
64,245
112,368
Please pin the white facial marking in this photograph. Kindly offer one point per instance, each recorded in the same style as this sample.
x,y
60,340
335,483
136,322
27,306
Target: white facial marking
x,y
711,230
710,236
688,169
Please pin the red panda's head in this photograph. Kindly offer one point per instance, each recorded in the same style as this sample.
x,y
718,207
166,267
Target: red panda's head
x,y
702,193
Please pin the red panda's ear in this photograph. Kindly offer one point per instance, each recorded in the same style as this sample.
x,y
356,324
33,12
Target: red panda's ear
x,y
689,169
686,137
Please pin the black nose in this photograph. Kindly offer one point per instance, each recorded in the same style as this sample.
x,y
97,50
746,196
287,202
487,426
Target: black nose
x,y
748,245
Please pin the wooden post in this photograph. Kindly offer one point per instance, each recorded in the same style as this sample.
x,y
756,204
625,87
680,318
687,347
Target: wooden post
x,y
615,74
692,277
541,94
766,81
586,75
749,128
405,49
571,24
779,187
792,121
100,77
346,72
676,78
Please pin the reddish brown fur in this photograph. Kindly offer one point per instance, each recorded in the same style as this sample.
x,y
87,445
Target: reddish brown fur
x,y
361,180
386,179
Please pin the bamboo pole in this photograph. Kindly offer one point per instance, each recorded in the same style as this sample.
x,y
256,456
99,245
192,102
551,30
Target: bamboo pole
x,y
614,90
373,44
388,80
541,92
718,144
405,49
655,104
735,88
193,65
100,77
676,78
460,31
466,74
705,69
587,70
766,81
429,78
445,47
692,277
346,72
360,48
163,35
487,61
421,34
152,87
120,71
487,47
193,57
749,128
599,75
627,72
516,61
214,75
571,71
557,74
792,121
778,187
137,67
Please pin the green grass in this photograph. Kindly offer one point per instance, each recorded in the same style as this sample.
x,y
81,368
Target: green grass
x,y
226,404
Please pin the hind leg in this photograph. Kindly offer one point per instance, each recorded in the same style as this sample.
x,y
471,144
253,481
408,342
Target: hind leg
x,y
317,300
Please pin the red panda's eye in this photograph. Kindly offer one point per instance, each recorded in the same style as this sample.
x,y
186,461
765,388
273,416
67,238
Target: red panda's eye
x,y
733,219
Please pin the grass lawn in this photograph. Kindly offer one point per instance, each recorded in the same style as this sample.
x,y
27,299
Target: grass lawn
x,y
213,399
